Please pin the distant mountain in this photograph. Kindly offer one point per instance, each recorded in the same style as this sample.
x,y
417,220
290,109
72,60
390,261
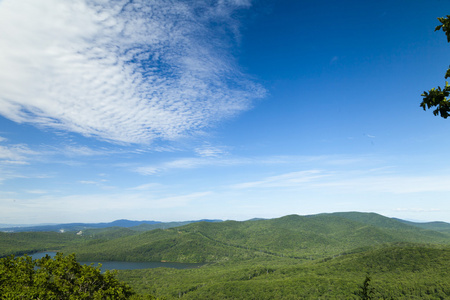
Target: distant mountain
x,y
78,226
437,226
135,225
7,226
165,225
257,219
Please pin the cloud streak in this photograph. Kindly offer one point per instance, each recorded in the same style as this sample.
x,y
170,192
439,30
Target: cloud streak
x,y
219,157
184,163
121,71
85,207
292,179
15,154
362,181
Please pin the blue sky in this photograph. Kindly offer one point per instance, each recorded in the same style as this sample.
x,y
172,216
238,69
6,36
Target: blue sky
x,y
227,109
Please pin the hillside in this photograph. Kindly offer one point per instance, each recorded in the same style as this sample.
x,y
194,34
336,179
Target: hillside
x,y
436,226
299,237
165,225
398,271
19,243
30,242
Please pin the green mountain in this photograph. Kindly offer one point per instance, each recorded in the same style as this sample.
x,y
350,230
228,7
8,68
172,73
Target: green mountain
x,y
19,243
165,225
299,237
30,242
436,226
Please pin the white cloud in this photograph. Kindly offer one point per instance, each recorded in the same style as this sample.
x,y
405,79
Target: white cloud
x,y
292,179
190,163
210,151
396,184
182,163
120,71
102,184
378,180
211,156
148,170
8,174
85,208
418,210
147,186
38,192
82,151
88,182
15,154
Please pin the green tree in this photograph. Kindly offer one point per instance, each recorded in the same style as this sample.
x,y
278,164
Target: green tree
x,y
365,291
61,277
437,97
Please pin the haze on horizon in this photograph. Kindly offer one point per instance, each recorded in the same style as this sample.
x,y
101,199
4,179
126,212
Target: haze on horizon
x,y
229,109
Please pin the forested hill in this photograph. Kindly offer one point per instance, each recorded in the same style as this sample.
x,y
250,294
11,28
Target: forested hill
x,y
437,226
299,237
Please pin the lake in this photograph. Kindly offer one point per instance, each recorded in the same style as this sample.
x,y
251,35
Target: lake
x,y
125,265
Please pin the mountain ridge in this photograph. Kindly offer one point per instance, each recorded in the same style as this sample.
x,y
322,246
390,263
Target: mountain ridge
x,y
294,236
369,218
124,223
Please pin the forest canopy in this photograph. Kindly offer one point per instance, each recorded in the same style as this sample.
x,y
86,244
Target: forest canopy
x,y
61,277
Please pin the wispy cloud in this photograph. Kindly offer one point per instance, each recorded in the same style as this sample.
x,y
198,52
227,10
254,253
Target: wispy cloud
x,y
121,71
210,151
102,183
418,210
291,179
190,163
82,208
217,156
83,151
393,183
37,192
334,59
88,182
147,186
17,154
182,163
6,174
381,180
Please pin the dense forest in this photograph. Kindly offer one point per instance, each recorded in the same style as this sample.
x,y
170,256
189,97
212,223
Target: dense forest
x,y
326,256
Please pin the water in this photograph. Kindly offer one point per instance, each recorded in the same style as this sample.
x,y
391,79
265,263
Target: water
x,y
125,265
